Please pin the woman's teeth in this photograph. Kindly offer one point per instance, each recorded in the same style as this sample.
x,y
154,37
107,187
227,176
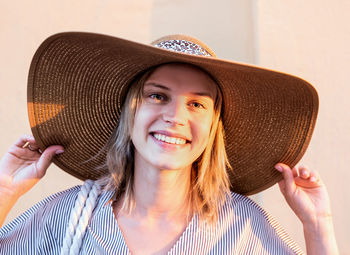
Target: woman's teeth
x,y
168,139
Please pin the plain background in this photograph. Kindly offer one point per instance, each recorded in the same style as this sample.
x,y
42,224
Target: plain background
x,y
309,39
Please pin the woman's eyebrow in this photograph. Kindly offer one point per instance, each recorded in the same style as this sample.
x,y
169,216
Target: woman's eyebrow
x,y
156,85
203,94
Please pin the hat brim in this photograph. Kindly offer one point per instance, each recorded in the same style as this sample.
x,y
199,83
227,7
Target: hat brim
x,y
78,81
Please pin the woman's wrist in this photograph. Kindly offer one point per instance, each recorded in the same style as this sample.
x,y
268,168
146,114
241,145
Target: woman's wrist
x,y
317,219
319,225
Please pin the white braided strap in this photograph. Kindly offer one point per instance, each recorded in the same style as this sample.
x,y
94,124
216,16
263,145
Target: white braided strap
x,y
75,215
80,214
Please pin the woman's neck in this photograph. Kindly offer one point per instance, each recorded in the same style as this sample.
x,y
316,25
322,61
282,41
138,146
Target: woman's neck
x,y
161,194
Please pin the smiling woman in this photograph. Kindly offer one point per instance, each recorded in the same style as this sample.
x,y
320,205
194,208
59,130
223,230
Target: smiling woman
x,y
177,119
147,123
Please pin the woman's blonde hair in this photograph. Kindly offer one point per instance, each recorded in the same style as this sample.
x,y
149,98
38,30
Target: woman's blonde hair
x,y
209,178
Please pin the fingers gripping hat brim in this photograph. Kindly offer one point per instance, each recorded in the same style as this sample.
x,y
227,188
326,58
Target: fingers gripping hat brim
x,y
77,85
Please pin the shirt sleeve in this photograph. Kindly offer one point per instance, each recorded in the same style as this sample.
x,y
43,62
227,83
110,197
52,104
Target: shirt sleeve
x,y
260,232
40,229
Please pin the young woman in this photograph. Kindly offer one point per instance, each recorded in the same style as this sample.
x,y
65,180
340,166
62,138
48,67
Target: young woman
x,y
168,189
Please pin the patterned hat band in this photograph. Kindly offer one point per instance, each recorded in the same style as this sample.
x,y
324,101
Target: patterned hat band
x,y
184,46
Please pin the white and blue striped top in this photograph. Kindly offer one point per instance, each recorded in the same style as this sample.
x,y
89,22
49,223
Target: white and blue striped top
x,y
242,228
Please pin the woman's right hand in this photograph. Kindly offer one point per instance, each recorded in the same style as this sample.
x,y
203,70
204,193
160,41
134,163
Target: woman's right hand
x,y
23,166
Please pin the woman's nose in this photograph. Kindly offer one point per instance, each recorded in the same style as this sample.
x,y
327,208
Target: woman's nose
x,y
176,113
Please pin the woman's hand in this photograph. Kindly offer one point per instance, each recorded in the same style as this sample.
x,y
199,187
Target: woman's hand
x,y
20,169
23,166
307,195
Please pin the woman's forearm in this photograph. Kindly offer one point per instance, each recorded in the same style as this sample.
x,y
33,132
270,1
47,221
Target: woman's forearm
x,y
4,211
320,237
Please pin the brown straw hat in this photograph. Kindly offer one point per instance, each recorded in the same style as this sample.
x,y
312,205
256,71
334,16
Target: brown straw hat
x,y
78,81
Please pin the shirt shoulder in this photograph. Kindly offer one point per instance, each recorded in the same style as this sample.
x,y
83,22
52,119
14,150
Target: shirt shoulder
x,y
255,225
245,207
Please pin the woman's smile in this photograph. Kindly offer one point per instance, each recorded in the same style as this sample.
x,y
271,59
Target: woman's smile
x,y
169,139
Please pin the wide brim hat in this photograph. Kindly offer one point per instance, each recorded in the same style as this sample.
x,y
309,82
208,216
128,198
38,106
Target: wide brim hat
x,y
78,82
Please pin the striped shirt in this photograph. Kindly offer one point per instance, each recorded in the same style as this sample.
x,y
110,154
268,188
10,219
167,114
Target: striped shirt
x,y
243,227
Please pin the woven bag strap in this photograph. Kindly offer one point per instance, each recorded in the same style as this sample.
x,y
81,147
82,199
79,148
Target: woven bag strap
x,y
79,218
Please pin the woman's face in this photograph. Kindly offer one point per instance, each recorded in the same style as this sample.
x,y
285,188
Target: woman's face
x,y
173,121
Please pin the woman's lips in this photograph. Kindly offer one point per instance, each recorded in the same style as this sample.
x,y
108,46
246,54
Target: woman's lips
x,y
169,142
169,139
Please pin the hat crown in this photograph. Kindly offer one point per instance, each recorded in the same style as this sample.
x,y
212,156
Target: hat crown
x,y
184,44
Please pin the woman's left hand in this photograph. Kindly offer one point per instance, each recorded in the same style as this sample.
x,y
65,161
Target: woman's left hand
x,y
305,193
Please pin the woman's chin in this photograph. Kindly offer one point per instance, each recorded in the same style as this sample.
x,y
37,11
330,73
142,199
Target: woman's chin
x,y
171,165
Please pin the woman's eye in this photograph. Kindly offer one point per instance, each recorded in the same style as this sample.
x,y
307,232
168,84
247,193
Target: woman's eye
x,y
197,105
157,97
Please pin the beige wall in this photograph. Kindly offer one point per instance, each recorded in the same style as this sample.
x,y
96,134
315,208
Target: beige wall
x,y
309,39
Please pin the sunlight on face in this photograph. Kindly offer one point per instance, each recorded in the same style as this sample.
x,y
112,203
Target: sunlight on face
x,y
173,122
